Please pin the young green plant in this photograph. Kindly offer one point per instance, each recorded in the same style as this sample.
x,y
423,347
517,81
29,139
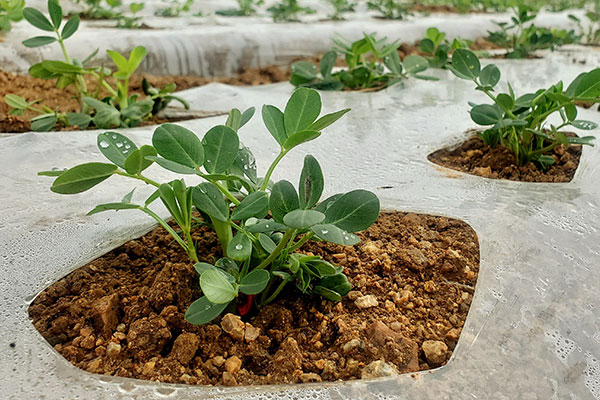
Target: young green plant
x,y
10,11
438,48
245,8
340,7
371,64
261,225
119,109
390,9
288,11
520,123
521,39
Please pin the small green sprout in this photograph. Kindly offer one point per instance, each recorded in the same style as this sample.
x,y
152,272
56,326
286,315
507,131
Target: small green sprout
x,y
371,64
288,11
438,48
519,123
96,9
340,7
522,40
261,225
246,8
175,8
119,109
590,33
390,9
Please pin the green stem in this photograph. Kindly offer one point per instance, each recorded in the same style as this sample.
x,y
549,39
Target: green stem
x,y
138,176
222,188
289,234
242,230
275,293
301,242
281,154
112,91
168,228
224,233
191,248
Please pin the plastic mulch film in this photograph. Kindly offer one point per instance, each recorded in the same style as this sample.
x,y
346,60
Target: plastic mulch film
x,y
223,46
533,331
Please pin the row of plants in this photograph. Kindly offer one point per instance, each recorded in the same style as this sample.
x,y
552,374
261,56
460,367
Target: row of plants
x,y
108,105
292,10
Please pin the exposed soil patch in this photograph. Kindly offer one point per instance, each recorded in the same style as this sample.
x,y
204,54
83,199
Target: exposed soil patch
x,y
46,91
123,314
477,158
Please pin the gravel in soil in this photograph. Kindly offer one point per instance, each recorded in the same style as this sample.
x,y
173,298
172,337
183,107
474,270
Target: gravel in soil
x,y
475,157
123,314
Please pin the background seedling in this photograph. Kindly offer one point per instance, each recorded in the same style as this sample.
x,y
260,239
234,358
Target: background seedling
x,y
246,8
521,39
175,8
288,11
112,9
591,31
260,254
438,48
520,123
119,109
371,64
390,9
10,11
340,7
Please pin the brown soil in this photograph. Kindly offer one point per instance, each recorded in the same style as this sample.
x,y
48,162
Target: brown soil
x,y
123,314
49,95
477,158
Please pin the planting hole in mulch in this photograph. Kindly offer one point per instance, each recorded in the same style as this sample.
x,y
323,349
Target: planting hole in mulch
x,y
123,314
477,158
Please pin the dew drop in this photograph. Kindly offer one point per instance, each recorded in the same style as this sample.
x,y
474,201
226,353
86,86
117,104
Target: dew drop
x,y
239,247
104,144
114,136
119,144
324,231
127,146
267,226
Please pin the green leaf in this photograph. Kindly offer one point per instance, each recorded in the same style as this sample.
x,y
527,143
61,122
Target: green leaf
x,y
239,248
255,282
16,101
38,71
570,112
311,183
168,197
178,144
116,147
37,19
54,172
585,125
283,200
203,311
327,293
302,109
302,219
82,177
273,119
490,75
465,64
113,206
38,41
265,225
267,243
172,165
209,199
505,101
305,70
415,64
221,145
333,234
589,85
300,137
328,202
337,282
137,161
200,267
327,63
216,287
572,89
354,211
70,27
119,60
79,119
55,13
247,115
486,114
327,120
234,119
255,205
136,57
585,140
229,266
44,122
61,67
427,46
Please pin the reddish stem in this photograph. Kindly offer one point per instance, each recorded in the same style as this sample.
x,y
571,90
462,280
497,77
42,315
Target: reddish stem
x,y
245,308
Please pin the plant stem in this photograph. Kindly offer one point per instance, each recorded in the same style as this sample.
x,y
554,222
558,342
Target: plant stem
x,y
267,177
289,234
104,83
168,228
191,248
275,293
301,242
138,176
224,233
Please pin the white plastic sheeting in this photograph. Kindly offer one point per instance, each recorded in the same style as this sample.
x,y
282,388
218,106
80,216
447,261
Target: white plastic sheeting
x,y
223,46
533,331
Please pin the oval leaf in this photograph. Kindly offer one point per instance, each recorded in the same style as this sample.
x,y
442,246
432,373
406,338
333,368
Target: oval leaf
x,y
38,41
254,205
203,311
273,119
209,199
327,120
37,19
302,219
255,282
137,161
82,177
178,144
311,183
465,64
216,287
239,248
486,114
70,27
354,211
116,147
299,138
283,200
333,234
490,75
221,145
302,109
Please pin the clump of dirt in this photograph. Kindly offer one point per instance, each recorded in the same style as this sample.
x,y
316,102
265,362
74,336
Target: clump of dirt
x,y
123,314
475,157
